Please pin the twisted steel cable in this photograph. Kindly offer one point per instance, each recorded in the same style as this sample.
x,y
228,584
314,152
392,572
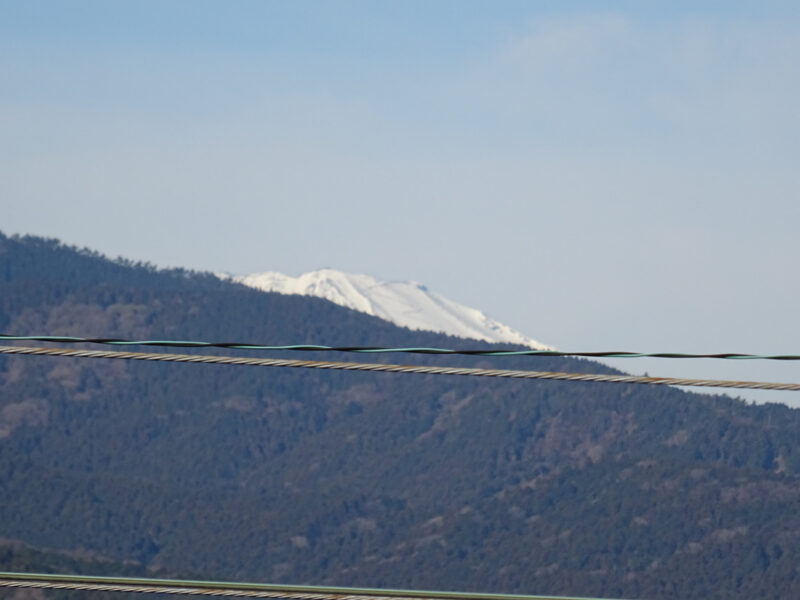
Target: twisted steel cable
x,y
392,368
248,590
382,349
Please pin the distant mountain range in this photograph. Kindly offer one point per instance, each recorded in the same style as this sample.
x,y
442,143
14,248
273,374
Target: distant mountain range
x,y
405,303
367,479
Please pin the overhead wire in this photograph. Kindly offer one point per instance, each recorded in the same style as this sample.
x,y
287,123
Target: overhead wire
x,y
393,368
382,349
230,589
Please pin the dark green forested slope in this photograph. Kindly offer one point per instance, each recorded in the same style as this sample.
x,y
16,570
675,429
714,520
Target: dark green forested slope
x,y
371,479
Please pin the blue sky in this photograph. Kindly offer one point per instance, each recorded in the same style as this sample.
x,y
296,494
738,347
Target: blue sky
x,y
618,174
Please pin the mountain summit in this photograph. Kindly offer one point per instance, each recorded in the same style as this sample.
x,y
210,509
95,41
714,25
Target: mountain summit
x,y
405,303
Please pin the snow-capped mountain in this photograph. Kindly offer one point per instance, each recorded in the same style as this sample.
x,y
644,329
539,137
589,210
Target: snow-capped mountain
x,y
405,303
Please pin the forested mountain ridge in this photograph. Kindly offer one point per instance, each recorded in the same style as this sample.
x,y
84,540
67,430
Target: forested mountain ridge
x,y
371,479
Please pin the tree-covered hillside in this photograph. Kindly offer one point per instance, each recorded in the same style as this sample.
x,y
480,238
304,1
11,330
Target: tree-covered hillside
x,y
362,479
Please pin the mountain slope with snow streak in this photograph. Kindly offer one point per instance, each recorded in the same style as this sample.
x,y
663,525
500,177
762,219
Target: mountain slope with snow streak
x,y
405,303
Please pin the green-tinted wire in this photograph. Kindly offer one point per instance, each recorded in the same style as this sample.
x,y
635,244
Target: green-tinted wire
x,y
223,588
379,350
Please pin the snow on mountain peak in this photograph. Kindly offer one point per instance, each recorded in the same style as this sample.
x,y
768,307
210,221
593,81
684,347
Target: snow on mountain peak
x,y
406,303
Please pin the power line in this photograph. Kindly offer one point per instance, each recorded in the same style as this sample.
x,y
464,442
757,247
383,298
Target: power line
x,y
391,368
252,590
381,349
